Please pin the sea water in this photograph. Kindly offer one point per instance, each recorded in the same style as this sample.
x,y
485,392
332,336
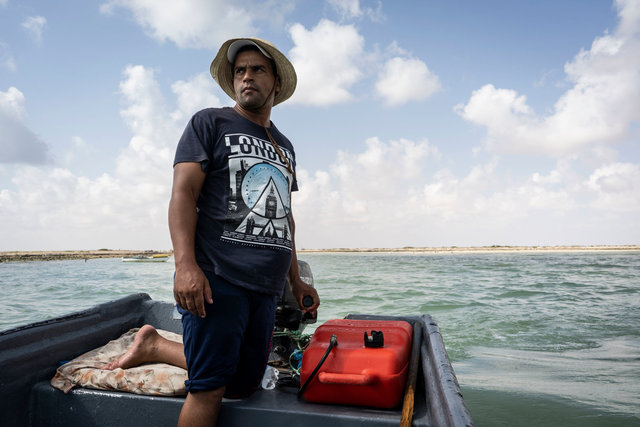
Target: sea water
x,y
544,339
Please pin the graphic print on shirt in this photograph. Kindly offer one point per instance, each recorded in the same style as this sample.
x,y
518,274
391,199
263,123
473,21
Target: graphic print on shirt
x,y
260,194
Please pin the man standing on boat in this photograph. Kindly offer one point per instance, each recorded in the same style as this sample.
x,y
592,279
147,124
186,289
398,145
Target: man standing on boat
x,y
232,228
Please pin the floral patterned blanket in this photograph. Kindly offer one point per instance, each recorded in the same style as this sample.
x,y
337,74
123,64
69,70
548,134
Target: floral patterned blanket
x,y
156,379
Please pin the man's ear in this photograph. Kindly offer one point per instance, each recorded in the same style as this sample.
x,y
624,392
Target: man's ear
x,y
277,85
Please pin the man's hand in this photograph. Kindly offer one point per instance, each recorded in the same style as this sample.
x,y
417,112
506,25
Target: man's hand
x,y
300,289
191,289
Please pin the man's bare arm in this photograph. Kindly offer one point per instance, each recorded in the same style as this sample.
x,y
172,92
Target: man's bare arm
x,y
190,287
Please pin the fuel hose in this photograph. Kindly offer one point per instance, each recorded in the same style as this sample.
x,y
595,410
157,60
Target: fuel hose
x,y
332,343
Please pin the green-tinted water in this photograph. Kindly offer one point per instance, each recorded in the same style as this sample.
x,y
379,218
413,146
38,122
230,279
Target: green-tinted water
x,y
547,339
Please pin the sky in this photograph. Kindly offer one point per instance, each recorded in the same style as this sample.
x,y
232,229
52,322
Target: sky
x,y
415,123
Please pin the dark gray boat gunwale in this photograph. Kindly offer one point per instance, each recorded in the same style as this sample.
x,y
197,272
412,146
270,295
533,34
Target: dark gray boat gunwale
x,y
30,354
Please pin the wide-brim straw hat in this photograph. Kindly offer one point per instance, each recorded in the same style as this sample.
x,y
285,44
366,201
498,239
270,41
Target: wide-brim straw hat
x,y
223,62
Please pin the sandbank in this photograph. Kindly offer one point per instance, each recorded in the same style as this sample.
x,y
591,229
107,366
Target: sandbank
x,y
17,256
480,249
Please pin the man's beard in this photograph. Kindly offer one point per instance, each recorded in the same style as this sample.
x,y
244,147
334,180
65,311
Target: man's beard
x,y
252,102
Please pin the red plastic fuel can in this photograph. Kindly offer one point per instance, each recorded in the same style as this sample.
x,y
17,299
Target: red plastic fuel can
x,y
354,373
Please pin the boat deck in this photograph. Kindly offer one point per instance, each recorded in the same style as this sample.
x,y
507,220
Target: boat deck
x,y
84,407
29,356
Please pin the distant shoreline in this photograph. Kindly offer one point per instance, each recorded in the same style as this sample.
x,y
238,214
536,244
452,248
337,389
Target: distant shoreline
x,y
18,256
480,249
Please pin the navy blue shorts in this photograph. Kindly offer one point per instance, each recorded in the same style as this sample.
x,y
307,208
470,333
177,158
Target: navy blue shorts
x,y
230,346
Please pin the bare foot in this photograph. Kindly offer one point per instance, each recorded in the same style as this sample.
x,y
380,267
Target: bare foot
x,y
143,350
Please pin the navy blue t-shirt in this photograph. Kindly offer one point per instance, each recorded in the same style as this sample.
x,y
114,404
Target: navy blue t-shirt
x,y
244,228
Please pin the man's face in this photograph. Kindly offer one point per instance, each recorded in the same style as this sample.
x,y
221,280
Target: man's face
x,y
253,80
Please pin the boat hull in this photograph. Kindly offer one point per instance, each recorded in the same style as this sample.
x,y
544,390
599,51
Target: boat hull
x,y
29,356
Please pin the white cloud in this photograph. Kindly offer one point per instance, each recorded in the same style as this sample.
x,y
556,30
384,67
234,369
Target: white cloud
x,y
12,103
329,60
6,58
448,197
406,79
395,49
352,9
80,151
53,208
196,94
629,13
361,175
617,186
347,8
599,108
484,195
35,25
148,157
18,143
192,23
156,130
364,197
388,195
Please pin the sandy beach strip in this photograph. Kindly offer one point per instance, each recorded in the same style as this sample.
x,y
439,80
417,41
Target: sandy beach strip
x,y
17,256
480,249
